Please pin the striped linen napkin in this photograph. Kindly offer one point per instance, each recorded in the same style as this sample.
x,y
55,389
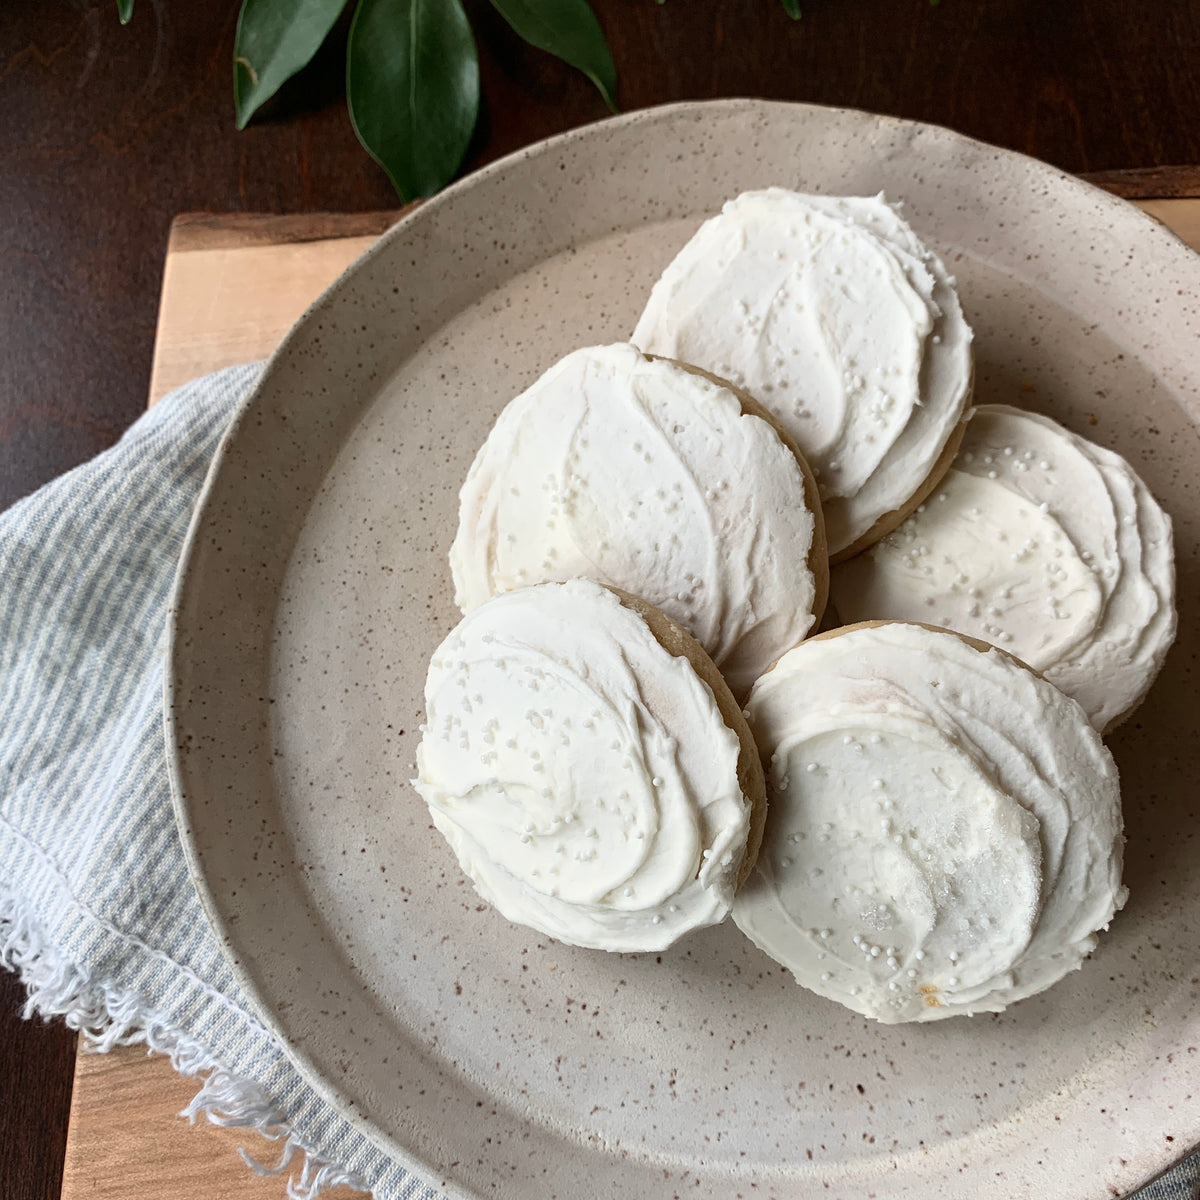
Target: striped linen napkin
x,y
97,912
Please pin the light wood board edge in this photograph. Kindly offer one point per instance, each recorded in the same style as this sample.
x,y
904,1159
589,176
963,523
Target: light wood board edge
x,y
235,231
1149,183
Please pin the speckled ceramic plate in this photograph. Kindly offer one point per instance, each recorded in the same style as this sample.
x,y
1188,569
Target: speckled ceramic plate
x,y
315,587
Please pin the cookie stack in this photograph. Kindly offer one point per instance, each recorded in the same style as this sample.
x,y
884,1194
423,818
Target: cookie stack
x,y
643,557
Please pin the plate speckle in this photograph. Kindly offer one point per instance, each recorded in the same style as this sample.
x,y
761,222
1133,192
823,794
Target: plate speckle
x,y
315,588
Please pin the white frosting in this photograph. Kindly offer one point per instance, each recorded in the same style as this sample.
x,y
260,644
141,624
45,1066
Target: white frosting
x,y
1042,543
647,477
583,775
943,827
831,313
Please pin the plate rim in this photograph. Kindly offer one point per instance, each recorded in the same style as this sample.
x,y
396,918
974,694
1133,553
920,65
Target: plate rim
x,y
186,571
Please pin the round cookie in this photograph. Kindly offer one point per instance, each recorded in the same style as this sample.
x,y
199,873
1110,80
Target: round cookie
x,y
1043,543
830,312
650,476
944,829
589,767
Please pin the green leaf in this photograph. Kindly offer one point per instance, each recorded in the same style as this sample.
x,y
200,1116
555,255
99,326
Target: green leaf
x,y
412,85
275,38
793,9
569,30
124,10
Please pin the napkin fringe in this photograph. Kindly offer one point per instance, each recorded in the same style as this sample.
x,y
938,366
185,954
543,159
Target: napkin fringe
x,y
230,1100
108,1017
316,1174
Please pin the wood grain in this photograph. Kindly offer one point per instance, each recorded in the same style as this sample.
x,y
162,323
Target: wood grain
x,y
127,1142
222,305
1149,183
1180,216
36,1060
217,231
232,287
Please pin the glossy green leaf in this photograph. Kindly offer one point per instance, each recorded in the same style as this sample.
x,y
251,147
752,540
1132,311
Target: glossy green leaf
x,y
793,9
412,84
569,30
275,38
124,10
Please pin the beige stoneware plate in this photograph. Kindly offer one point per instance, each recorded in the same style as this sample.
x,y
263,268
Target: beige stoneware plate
x,y
315,587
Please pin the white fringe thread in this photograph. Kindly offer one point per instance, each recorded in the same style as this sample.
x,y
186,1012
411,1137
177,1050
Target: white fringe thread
x,y
108,1017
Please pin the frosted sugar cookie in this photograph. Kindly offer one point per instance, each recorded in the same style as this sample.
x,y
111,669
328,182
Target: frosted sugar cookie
x,y
830,312
589,768
1043,543
944,827
651,477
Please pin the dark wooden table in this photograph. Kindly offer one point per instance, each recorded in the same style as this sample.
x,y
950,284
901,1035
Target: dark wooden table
x,y
107,132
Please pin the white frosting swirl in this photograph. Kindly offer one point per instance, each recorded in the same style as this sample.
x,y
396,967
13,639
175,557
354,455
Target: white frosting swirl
x,y
943,831
648,477
1043,543
583,776
830,312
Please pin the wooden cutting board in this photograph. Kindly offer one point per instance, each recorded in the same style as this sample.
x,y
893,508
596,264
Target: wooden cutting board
x,y
232,286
